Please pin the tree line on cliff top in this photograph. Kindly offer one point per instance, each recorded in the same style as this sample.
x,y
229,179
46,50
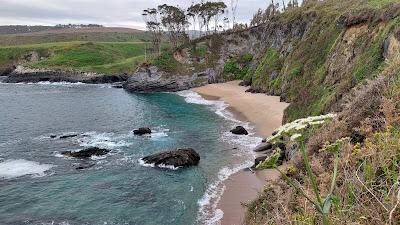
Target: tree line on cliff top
x,y
174,20
205,18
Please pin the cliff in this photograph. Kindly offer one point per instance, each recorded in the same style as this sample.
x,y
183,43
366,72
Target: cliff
x,y
311,56
340,57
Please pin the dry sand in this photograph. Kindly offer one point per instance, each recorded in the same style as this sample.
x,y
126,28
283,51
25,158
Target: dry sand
x,y
265,112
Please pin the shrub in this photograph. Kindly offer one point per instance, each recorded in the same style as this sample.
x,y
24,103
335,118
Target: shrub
x,y
166,62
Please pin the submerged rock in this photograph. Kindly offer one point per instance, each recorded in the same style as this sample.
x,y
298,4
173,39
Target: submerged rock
x,y
142,131
177,158
239,130
82,166
86,153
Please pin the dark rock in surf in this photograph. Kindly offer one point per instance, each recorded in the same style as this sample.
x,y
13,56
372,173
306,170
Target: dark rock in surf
x,y
239,130
142,131
82,166
53,136
68,136
177,158
263,147
86,153
259,160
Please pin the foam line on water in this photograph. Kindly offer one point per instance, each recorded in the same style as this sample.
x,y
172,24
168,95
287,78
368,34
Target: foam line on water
x,y
152,165
208,212
219,107
20,167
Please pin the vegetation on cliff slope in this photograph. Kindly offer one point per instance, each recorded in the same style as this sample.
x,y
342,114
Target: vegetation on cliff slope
x,y
313,76
349,63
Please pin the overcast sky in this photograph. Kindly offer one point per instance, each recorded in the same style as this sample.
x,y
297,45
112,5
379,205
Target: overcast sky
x,y
120,13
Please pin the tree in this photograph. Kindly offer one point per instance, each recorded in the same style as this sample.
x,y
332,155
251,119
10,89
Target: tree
x,y
233,11
151,17
217,9
175,22
257,18
194,11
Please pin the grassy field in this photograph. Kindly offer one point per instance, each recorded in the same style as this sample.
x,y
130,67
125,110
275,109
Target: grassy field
x,y
101,57
41,38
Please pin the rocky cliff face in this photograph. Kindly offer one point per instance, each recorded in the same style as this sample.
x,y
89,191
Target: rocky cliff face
x,y
151,79
309,56
23,74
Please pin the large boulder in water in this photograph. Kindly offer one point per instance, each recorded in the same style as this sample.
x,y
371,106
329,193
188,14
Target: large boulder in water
x,y
86,153
239,130
177,158
142,131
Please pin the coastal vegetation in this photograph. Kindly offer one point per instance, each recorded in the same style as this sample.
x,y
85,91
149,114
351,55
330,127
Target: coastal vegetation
x,y
99,57
323,57
344,170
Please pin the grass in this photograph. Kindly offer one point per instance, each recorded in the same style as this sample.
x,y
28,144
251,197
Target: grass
x,y
9,40
101,57
269,63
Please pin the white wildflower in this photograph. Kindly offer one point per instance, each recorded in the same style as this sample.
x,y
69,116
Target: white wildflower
x,y
294,137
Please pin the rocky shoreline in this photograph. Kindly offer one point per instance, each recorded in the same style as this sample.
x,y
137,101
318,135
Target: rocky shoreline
x,y
151,79
26,75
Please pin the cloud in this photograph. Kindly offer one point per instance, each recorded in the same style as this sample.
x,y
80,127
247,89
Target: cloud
x,y
125,13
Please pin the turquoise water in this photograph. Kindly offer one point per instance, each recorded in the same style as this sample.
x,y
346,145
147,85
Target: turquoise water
x,y
39,186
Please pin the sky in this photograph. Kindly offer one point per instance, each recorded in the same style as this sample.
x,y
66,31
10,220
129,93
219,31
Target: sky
x,y
111,13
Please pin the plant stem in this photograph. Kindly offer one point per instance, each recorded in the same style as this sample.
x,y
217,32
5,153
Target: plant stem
x,y
335,168
311,174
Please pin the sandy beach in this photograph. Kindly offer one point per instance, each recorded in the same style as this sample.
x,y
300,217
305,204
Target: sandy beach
x,y
265,113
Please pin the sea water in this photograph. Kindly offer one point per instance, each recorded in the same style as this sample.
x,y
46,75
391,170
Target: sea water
x,y
38,185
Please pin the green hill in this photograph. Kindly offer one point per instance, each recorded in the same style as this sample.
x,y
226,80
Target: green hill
x,y
100,57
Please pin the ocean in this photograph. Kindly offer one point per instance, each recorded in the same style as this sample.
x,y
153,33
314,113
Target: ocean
x,y
40,186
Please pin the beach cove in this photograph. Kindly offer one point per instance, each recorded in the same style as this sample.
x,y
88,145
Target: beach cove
x,y
265,113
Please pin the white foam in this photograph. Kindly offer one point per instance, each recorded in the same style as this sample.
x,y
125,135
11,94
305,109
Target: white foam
x,y
143,163
20,167
208,212
103,140
62,83
219,107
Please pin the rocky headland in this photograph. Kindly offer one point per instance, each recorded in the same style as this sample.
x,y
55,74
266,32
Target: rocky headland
x,y
23,74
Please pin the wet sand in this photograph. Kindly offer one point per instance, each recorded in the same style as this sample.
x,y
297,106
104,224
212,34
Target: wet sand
x,y
265,113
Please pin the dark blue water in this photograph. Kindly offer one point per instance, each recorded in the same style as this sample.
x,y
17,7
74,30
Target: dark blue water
x,y
38,186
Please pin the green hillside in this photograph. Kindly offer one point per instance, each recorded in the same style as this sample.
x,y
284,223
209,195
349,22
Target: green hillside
x,y
40,38
100,57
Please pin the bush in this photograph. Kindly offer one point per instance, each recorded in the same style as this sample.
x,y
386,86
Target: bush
x,y
239,66
166,62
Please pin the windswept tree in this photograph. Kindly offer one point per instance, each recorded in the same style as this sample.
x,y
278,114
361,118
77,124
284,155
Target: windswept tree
x,y
174,21
217,9
233,6
209,11
194,12
153,24
265,16
257,18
